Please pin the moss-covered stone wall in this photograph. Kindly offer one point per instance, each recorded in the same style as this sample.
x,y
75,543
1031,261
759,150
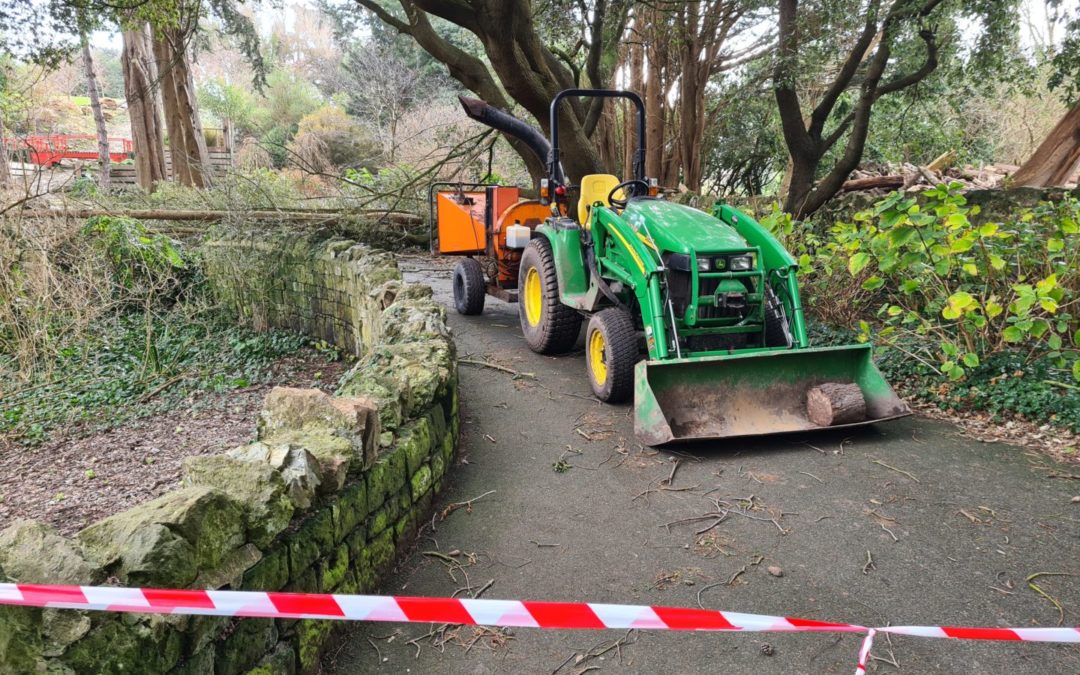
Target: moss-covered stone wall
x,y
332,489
333,289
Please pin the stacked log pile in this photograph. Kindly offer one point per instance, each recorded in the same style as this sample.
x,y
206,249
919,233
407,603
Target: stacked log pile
x,y
884,178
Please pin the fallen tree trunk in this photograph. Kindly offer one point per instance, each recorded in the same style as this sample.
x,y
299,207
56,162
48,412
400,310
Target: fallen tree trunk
x,y
834,403
872,182
294,216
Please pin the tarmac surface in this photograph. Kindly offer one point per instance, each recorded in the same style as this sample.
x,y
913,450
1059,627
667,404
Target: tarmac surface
x,y
904,523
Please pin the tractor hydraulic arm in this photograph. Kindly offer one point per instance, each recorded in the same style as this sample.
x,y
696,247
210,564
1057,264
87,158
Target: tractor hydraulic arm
x,y
630,258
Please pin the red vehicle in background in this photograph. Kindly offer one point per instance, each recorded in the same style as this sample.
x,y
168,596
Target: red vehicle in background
x,y
49,150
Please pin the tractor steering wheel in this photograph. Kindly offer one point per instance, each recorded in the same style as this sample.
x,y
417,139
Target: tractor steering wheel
x,y
635,183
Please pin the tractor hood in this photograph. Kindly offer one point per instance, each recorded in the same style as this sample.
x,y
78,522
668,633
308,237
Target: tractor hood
x,y
681,229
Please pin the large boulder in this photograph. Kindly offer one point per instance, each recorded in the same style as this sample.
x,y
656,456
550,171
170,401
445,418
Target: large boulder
x,y
288,410
167,540
256,485
417,320
299,470
33,553
402,379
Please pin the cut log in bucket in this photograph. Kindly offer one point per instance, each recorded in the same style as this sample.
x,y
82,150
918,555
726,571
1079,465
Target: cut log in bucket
x,y
753,394
835,403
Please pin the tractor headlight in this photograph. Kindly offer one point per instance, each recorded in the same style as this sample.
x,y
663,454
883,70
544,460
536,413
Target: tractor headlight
x,y
741,263
704,264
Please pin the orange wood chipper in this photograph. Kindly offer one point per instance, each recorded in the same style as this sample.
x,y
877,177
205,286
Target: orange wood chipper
x,y
491,221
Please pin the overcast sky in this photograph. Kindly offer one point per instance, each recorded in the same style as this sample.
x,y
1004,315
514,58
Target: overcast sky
x,y
1034,33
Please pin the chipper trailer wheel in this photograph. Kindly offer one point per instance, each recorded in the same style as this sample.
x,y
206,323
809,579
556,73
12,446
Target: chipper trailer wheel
x,y
469,287
550,327
611,349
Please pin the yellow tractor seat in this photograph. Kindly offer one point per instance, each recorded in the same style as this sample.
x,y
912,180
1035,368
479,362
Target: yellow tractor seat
x,y
594,188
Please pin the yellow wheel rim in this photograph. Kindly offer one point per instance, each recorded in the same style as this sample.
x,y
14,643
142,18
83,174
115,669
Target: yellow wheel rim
x,y
597,360
534,297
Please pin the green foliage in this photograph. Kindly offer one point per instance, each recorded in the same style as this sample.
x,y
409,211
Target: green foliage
x,y
289,98
328,138
1010,382
138,256
986,307
1067,61
236,192
972,288
231,103
102,379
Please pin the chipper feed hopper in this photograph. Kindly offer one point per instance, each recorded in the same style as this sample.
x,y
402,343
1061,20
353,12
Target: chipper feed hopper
x,y
695,314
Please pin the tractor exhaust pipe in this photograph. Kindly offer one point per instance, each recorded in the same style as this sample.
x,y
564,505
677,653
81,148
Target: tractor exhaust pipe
x,y
485,113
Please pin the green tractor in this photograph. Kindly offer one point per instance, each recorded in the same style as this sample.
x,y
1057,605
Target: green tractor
x,y
696,315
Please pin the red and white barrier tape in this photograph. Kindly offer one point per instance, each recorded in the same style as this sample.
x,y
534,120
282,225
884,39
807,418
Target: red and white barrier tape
x,y
556,615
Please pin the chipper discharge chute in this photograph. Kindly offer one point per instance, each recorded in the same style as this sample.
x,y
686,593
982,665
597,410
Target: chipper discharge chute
x,y
694,314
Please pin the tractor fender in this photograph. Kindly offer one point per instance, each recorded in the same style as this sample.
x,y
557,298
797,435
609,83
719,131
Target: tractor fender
x,y
565,237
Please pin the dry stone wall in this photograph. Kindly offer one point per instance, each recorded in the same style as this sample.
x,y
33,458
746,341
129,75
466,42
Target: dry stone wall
x,y
332,489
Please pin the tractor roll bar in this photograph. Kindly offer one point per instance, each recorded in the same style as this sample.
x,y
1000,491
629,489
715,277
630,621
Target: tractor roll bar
x,y
554,168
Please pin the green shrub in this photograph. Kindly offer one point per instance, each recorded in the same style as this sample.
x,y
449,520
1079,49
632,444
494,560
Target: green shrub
x,y
918,274
138,256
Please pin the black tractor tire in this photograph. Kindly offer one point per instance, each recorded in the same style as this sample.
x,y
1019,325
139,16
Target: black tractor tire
x,y
618,351
556,329
469,291
777,327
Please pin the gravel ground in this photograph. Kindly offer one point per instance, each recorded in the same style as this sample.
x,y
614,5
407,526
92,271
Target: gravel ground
x,y
74,480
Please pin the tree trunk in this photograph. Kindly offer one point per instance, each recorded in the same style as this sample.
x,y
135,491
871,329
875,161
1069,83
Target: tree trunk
x,y
655,60
104,160
187,146
144,108
1057,158
5,168
637,84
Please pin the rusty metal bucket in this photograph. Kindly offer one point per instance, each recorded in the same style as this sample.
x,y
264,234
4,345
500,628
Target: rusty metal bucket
x,y
751,394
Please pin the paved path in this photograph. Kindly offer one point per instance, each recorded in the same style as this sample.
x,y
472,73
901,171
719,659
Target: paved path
x,y
970,518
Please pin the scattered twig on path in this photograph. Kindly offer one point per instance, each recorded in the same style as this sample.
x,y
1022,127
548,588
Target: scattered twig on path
x,y
542,545
705,588
671,476
973,518
869,564
440,556
900,471
450,508
810,445
495,366
665,484
807,473
892,661
582,659
378,654
1058,474
894,537
1035,587
483,588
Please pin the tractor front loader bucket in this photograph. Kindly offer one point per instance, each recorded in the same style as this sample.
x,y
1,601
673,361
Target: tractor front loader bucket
x,y
753,394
